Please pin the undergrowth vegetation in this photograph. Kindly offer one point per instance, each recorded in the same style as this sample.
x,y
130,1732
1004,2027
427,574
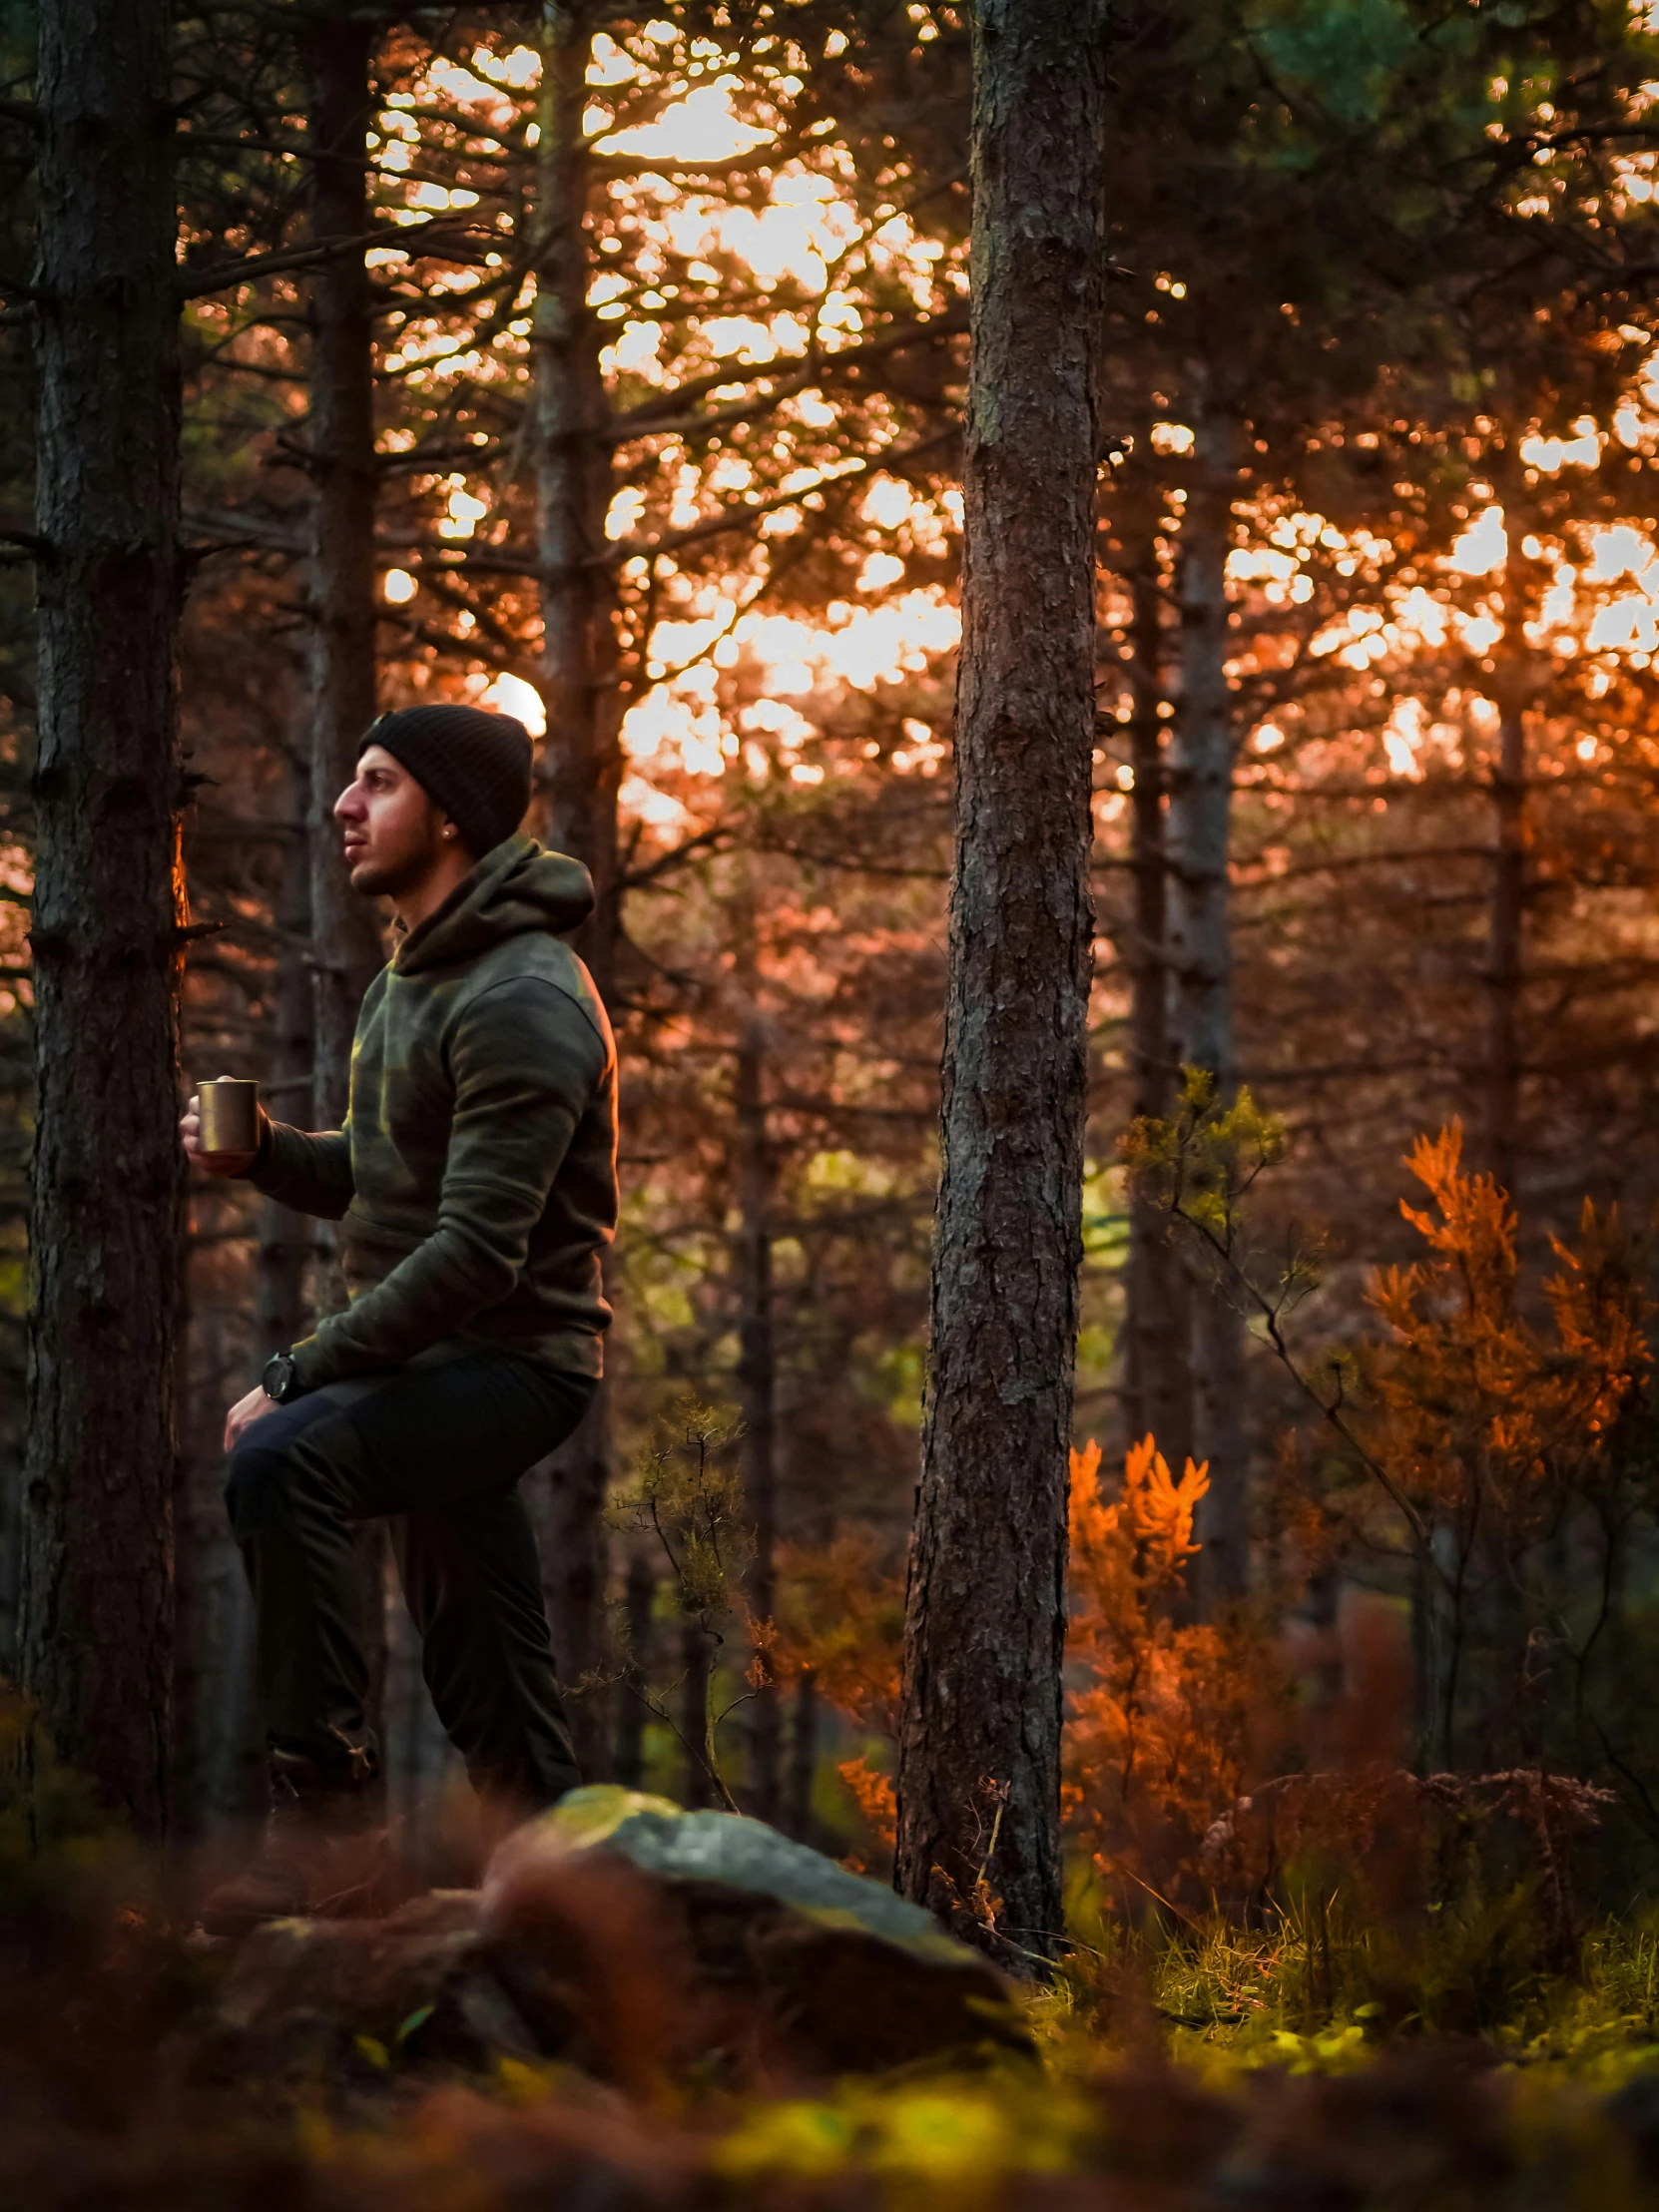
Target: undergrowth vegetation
x,y
1314,2054
1359,1908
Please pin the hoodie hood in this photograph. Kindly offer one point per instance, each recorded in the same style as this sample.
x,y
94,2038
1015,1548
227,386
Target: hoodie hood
x,y
519,888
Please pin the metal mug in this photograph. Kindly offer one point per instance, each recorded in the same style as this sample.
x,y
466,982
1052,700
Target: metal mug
x,y
230,1114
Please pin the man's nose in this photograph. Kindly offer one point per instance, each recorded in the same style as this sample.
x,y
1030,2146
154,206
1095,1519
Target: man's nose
x,y
349,804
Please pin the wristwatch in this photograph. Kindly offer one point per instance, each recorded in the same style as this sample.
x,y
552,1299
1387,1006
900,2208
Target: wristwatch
x,y
282,1378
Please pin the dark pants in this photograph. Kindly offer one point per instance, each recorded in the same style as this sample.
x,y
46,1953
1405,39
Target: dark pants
x,y
442,1446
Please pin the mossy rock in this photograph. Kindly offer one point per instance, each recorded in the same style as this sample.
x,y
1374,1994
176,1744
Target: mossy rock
x,y
849,1976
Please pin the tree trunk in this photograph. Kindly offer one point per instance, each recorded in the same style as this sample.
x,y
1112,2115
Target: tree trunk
x,y
798,1819
641,1601
579,771
695,1661
101,1457
346,948
1201,952
345,937
757,1369
1508,910
979,1741
568,1503
423,1772
1158,1364
288,1239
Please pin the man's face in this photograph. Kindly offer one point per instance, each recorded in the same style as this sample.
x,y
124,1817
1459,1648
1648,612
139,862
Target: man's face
x,y
394,832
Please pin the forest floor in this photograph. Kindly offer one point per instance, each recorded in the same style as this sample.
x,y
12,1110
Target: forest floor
x,y
106,2101
1312,2063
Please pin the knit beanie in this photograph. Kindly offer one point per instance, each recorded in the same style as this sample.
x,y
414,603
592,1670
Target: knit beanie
x,y
475,765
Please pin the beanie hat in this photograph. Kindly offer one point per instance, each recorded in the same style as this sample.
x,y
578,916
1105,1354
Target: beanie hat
x,y
475,765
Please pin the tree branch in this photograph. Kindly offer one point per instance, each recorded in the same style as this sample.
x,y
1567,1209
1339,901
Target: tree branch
x,y
197,284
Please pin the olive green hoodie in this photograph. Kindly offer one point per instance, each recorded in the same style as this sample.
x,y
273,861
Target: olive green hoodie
x,y
476,1173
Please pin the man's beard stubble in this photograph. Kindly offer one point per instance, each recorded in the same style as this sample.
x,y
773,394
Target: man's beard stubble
x,y
372,881
391,878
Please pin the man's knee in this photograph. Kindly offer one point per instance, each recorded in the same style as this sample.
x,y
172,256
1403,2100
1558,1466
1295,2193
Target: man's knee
x,y
275,1480
295,1464
258,1489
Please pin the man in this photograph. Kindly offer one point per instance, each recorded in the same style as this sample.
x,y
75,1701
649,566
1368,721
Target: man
x,y
475,1179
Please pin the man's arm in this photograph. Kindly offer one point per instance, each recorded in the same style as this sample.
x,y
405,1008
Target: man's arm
x,y
308,1169
526,1061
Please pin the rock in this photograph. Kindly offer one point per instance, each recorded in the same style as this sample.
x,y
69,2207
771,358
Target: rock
x,y
306,1999
834,1972
623,1936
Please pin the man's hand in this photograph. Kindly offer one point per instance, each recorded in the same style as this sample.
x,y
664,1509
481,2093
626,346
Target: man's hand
x,y
244,1412
212,1163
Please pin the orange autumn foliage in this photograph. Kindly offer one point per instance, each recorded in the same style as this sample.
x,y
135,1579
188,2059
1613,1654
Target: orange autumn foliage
x,y
1480,1416
876,1797
842,1619
1159,1708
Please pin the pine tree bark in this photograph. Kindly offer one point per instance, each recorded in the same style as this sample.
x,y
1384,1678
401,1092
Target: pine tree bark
x,y
979,1741
640,1599
288,1239
1158,1377
346,948
233,1753
567,1499
797,1817
580,767
695,1660
757,1369
1201,955
1513,687
101,1460
1504,946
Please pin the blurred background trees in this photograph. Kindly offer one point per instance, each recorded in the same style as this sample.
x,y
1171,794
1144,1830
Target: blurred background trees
x,y
610,369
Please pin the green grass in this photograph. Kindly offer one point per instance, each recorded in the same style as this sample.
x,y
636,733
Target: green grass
x,y
1317,1990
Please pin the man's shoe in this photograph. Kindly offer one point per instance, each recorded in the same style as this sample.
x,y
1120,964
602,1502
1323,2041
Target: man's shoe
x,y
323,1854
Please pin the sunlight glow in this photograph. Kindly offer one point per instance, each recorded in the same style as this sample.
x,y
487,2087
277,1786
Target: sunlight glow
x,y
772,264
1625,625
512,695
625,512
464,512
521,69
678,725
886,504
1619,551
1581,450
1480,633
922,751
880,571
1484,546
1402,739
700,128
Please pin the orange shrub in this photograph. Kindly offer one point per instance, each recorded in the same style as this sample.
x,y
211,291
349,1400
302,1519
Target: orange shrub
x,y
1159,1708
